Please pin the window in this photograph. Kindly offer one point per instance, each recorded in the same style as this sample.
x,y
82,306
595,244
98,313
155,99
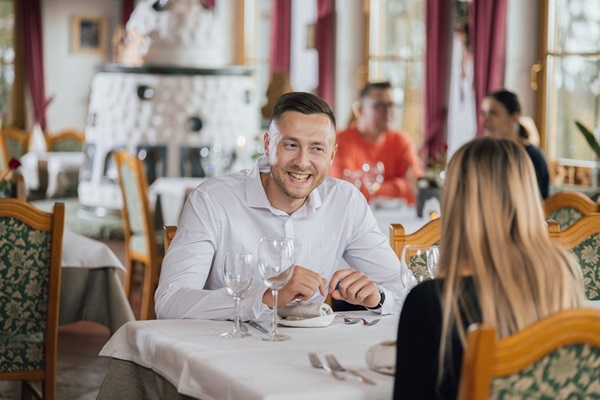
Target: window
x,y
7,59
572,92
397,54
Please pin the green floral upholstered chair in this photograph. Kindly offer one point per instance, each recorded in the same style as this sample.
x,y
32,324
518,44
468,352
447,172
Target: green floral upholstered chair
x,y
558,357
69,140
14,143
583,241
567,207
142,242
30,269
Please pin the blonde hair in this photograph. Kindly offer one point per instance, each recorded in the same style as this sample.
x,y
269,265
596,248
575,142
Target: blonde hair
x,y
493,229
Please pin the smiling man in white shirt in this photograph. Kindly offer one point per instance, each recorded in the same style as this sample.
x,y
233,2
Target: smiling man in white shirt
x,y
288,194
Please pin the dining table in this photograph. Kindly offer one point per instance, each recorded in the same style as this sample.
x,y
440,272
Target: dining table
x,y
91,283
54,173
187,358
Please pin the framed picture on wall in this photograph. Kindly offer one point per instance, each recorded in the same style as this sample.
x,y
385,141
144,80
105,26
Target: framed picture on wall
x,y
88,34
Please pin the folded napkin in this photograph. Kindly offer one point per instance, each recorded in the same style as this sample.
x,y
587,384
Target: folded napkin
x,y
382,357
304,310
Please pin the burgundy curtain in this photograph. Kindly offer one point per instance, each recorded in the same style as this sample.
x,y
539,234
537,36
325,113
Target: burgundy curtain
x,y
325,44
126,11
488,39
281,34
29,20
436,65
209,4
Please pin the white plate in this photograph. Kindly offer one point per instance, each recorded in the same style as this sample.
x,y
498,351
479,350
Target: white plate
x,y
317,322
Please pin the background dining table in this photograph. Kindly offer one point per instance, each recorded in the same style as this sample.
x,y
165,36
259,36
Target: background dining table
x,y
180,359
54,173
91,283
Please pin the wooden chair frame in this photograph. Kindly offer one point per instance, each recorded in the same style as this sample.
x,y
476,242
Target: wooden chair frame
x,y
169,232
486,357
151,259
575,200
66,134
427,235
15,134
578,232
53,222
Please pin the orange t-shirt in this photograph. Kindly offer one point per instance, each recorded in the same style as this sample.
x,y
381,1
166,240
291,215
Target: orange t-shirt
x,y
393,149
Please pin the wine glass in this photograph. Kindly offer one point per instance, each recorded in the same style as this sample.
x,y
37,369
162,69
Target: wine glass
x,y
276,265
433,257
414,258
237,273
373,176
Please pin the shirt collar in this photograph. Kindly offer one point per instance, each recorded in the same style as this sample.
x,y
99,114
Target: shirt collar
x,y
257,198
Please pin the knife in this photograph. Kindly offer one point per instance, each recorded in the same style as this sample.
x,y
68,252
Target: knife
x,y
258,327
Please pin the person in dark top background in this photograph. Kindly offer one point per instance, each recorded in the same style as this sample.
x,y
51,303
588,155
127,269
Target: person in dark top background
x,y
500,112
497,265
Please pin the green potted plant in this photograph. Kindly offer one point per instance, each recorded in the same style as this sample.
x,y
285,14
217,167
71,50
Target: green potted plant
x,y
595,146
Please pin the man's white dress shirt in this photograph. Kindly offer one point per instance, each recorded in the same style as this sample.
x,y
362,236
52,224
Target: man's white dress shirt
x,y
232,213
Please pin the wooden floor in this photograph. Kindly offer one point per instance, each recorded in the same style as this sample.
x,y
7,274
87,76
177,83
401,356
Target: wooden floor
x,y
80,371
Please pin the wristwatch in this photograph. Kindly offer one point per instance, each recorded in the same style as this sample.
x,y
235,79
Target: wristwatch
x,y
381,300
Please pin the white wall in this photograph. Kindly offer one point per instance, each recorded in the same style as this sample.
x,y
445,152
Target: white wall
x,y
68,75
349,57
304,68
521,50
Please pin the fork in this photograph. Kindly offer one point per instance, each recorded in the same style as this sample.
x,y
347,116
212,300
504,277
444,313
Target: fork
x,y
336,366
349,320
371,323
316,363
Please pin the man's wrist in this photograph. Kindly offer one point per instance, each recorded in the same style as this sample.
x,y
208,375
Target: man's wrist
x,y
380,304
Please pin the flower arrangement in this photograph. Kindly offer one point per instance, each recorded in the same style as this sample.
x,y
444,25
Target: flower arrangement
x,y
8,179
435,167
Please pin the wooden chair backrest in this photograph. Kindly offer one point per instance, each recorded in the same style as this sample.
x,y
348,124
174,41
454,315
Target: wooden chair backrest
x,y
169,233
140,235
14,143
582,239
567,207
65,140
19,213
428,235
493,367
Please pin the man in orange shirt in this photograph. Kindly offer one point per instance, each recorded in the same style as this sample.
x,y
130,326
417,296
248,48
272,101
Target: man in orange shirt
x,y
370,141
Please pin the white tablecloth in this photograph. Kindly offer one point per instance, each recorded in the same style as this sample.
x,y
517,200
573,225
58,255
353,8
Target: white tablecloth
x,y
167,196
91,283
192,356
82,252
62,169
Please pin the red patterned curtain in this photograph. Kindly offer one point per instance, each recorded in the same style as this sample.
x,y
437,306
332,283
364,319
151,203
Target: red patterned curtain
x,y
325,44
28,19
281,33
436,62
488,38
126,11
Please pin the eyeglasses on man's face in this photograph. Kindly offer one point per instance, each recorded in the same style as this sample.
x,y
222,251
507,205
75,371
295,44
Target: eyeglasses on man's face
x,y
381,106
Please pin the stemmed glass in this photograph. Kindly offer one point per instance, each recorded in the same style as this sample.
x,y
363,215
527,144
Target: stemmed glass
x,y
414,258
433,257
237,273
275,264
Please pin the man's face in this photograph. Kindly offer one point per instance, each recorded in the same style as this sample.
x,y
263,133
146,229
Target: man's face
x,y
300,150
496,120
377,109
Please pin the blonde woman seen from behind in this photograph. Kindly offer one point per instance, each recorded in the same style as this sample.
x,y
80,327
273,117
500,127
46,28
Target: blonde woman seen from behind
x,y
497,265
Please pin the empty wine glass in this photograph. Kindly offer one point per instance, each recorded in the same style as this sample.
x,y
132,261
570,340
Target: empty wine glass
x,y
276,265
414,258
237,273
433,257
